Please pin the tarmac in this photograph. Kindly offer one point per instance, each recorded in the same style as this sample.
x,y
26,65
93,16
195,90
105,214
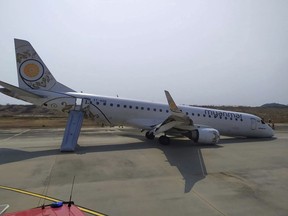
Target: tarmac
x,y
118,172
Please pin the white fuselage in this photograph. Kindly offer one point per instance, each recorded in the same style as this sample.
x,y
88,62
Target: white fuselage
x,y
37,85
145,115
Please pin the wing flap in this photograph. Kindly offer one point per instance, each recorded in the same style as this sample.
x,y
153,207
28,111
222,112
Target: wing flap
x,y
177,120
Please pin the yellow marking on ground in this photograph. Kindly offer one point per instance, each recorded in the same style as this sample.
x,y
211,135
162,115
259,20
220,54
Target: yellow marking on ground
x,y
17,190
29,193
208,202
91,211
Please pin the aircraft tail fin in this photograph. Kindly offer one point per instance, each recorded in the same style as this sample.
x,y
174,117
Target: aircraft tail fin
x,y
32,71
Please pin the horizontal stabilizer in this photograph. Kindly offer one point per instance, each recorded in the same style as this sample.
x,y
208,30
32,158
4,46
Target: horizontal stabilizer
x,y
18,93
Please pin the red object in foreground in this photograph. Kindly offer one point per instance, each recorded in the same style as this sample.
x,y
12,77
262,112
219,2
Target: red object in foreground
x,y
49,211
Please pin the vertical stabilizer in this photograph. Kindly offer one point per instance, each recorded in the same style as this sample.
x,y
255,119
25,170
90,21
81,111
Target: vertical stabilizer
x,y
32,71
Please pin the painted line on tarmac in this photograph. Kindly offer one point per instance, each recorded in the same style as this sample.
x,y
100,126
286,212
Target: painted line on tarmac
x,y
15,135
17,190
208,203
204,174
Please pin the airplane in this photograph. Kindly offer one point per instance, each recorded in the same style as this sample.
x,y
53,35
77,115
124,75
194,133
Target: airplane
x,y
38,86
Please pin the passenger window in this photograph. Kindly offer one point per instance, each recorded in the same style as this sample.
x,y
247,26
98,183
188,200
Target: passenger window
x,y
124,106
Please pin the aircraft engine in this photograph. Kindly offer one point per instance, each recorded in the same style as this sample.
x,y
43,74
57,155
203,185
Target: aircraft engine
x,y
204,135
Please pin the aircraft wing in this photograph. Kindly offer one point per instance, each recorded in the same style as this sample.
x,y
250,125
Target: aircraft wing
x,y
18,93
177,120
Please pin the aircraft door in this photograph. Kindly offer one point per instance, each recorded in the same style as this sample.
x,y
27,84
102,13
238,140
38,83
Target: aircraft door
x,y
95,112
81,104
253,123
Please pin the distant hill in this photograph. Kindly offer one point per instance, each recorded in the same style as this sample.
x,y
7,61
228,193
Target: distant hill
x,y
274,105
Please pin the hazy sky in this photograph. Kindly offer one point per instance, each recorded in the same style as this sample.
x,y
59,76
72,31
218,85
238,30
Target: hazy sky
x,y
217,52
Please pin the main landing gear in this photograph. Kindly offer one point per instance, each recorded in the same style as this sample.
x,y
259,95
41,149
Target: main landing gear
x,y
149,135
163,140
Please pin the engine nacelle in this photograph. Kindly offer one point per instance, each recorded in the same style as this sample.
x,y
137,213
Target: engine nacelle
x,y
204,135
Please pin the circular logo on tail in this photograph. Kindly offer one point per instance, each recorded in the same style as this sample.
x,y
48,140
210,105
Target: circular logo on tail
x,y
31,70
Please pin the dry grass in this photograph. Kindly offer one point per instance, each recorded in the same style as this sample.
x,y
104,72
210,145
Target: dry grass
x,y
38,122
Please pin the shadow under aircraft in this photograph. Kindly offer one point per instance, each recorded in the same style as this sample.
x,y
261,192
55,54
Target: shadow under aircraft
x,y
183,154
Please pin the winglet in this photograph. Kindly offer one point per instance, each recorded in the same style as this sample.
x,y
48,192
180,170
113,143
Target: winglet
x,y
172,104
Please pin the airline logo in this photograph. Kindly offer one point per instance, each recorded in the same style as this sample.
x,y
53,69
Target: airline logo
x,y
31,70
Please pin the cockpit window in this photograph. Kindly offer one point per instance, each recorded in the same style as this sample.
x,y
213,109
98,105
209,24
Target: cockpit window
x,y
262,121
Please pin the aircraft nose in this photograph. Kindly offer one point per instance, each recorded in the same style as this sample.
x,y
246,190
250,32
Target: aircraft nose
x,y
270,131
